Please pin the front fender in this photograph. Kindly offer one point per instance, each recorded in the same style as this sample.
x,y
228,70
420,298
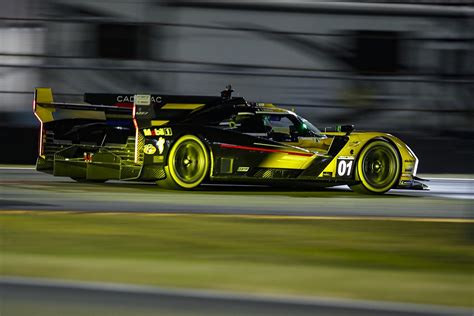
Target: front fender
x,y
358,140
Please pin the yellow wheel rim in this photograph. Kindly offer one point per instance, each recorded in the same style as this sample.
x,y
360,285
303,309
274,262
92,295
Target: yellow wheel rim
x,y
379,167
188,161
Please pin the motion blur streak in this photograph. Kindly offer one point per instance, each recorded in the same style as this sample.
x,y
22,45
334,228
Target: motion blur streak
x,y
405,68
381,66
242,216
25,189
50,298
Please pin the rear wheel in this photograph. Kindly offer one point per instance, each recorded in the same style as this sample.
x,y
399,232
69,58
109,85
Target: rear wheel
x,y
188,164
378,168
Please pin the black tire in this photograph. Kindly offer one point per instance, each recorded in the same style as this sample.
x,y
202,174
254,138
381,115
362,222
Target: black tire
x,y
378,168
187,164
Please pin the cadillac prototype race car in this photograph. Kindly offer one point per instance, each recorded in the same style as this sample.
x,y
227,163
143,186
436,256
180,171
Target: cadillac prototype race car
x,y
182,141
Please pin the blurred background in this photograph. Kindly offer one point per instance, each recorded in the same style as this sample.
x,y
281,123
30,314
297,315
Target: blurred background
x,y
405,67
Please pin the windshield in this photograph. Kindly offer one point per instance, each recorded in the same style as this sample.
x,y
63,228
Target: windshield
x,y
307,126
289,124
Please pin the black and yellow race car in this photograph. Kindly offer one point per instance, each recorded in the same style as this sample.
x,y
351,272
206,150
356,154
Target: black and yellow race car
x,y
183,141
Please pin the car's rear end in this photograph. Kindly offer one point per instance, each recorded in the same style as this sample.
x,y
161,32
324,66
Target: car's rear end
x,y
85,141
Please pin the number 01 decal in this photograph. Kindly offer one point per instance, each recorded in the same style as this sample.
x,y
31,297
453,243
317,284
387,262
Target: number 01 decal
x,y
345,167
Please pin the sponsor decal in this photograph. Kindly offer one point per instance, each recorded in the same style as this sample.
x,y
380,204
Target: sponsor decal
x,y
354,144
88,157
155,99
141,113
125,98
131,99
243,169
142,99
164,131
345,167
149,149
161,145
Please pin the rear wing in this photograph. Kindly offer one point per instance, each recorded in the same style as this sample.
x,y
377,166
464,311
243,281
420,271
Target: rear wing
x,y
47,110
151,109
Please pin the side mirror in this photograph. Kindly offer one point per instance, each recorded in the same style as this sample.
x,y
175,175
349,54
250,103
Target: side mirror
x,y
345,128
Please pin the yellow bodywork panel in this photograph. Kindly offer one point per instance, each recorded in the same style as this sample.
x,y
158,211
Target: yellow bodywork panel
x,y
289,161
43,96
44,114
158,122
182,106
357,140
313,144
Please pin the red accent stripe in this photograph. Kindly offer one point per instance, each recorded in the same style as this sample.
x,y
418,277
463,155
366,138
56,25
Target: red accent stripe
x,y
127,105
265,150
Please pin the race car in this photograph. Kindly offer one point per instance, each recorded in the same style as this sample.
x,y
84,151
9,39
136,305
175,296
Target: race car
x,y
180,142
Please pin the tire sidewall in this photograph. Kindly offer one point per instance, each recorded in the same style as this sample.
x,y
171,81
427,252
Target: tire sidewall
x,y
360,173
170,167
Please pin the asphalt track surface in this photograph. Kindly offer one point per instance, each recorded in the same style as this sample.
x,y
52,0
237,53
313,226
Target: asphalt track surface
x,y
50,298
26,189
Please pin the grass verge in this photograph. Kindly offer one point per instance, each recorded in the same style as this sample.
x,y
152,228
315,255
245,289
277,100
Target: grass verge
x,y
416,262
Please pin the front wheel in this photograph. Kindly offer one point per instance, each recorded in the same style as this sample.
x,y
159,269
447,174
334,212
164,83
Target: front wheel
x,y
378,168
188,164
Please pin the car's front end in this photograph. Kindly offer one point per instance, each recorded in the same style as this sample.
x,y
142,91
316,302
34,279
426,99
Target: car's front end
x,y
358,141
